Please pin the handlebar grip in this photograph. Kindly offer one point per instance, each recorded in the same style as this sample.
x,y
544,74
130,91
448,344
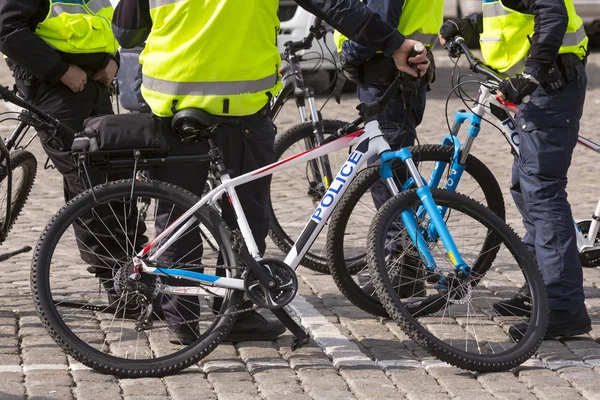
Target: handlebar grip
x,y
417,49
318,22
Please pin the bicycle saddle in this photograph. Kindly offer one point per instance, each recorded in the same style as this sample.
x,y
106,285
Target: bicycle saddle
x,y
192,119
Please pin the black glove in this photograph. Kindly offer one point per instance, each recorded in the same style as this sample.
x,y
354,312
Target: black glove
x,y
515,89
455,27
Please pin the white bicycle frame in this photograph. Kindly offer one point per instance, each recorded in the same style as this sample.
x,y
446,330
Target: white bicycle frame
x,y
502,112
369,143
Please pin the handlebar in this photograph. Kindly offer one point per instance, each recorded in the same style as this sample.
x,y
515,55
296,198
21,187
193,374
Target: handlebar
x,y
475,64
7,95
316,31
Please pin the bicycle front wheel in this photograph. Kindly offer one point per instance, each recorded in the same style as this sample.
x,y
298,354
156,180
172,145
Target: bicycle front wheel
x,y
88,301
23,166
347,238
450,315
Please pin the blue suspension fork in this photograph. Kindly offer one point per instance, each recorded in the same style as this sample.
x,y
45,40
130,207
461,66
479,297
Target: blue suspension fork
x,y
408,217
459,159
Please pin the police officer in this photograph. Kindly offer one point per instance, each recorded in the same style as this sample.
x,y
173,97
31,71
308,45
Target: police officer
x,y
373,72
542,47
221,56
63,56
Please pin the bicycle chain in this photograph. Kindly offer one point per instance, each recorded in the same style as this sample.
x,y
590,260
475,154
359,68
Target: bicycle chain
x,y
226,314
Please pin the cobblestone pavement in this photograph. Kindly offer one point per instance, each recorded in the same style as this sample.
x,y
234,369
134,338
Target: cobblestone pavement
x,y
361,358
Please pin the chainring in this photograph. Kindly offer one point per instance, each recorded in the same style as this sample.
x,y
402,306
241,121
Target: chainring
x,y
589,259
287,285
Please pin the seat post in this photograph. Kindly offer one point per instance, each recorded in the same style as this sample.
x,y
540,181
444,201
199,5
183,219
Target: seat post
x,y
217,159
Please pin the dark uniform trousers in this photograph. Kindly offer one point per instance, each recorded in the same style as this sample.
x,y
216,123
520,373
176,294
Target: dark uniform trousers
x,y
95,234
246,146
549,125
398,122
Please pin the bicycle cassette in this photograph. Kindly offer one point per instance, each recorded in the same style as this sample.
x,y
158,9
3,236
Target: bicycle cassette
x,y
287,285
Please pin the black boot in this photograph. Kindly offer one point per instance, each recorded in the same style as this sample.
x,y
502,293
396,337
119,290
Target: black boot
x,y
517,306
562,323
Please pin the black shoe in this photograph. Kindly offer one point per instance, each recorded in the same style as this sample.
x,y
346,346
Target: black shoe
x,y
129,310
183,338
254,326
408,283
132,310
562,323
517,306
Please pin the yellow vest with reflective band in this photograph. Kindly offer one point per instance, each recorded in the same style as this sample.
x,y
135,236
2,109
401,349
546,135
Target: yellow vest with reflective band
x,y
220,56
420,20
79,26
505,39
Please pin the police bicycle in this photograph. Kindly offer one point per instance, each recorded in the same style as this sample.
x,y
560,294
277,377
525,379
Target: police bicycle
x,y
588,240
207,280
456,171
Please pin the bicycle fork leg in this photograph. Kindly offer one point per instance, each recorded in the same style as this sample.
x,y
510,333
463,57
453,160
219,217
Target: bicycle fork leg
x,y
409,219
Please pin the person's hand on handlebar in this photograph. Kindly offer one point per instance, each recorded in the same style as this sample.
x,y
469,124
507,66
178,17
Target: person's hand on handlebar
x,y
516,89
402,58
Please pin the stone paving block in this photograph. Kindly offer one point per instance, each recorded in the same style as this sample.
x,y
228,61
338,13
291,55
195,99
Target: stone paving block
x,y
143,387
324,394
188,379
238,396
582,379
515,396
50,392
86,375
426,396
235,387
287,397
87,390
188,393
42,377
283,390
12,391
549,392
476,394
317,380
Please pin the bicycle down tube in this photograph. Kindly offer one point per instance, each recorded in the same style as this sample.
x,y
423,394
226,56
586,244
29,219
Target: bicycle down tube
x,y
368,143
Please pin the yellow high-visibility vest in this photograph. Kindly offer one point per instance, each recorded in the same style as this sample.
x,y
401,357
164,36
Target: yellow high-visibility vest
x,y
505,41
79,26
220,56
420,20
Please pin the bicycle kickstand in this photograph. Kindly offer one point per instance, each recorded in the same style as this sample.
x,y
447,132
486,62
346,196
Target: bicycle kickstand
x,y
300,336
6,256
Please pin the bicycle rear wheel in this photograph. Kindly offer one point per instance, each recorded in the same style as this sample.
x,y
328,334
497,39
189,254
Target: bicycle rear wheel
x,y
456,320
347,238
23,166
96,315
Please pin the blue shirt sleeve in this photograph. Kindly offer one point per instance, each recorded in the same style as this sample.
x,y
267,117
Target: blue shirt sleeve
x,y
390,11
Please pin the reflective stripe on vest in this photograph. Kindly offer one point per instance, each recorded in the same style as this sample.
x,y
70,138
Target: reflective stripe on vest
x,y
209,88
505,39
420,20
79,27
192,59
